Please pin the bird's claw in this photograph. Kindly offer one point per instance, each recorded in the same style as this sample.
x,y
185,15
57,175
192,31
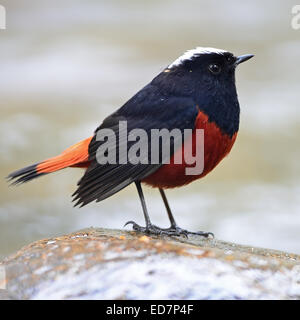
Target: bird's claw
x,y
150,229
129,222
203,234
186,233
172,231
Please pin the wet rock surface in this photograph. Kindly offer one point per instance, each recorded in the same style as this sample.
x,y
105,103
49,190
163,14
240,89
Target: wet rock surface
x,y
113,264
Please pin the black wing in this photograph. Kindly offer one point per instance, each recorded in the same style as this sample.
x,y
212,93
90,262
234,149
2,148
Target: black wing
x,y
148,109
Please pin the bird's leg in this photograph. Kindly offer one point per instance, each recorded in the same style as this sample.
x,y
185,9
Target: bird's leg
x,y
174,228
166,203
149,228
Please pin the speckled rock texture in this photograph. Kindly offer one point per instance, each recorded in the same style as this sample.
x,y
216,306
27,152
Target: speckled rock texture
x,y
113,264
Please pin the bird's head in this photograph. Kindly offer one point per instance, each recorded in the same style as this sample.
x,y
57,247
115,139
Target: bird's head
x,y
206,68
207,76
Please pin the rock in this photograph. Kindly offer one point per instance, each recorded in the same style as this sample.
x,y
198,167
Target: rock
x,y
113,264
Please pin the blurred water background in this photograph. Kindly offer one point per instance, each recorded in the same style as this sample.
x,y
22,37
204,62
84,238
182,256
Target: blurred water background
x,y
65,65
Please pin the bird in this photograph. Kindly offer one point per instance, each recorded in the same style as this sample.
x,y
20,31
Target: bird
x,y
195,92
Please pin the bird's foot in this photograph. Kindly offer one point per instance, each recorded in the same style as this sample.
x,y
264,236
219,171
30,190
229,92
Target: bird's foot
x,y
177,231
186,233
172,231
150,229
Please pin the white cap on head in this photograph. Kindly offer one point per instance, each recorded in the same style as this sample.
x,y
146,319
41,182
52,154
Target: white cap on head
x,y
188,55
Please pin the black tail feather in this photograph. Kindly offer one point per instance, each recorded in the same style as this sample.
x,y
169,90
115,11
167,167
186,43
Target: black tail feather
x,y
24,175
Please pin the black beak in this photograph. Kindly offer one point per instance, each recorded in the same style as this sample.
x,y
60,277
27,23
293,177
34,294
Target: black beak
x,y
243,58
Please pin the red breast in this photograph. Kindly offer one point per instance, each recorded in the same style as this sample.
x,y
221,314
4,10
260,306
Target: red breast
x,y
216,146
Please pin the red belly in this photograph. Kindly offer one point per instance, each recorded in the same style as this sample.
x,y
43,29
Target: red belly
x,y
216,146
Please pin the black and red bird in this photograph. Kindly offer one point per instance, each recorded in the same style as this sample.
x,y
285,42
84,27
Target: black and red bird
x,y
196,91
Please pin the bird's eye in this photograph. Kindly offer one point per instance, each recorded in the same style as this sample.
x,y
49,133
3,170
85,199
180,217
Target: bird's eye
x,y
230,59
214,68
